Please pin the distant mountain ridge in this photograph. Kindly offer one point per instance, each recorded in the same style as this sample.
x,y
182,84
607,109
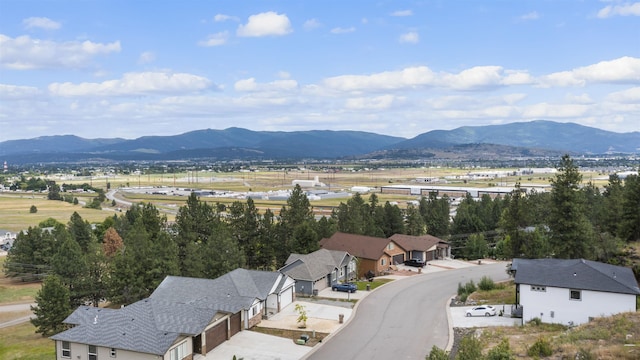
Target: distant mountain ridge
x,y
238,143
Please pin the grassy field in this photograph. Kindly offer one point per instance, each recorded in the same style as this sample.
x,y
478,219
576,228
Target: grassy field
x,y
20,342
15,292
15,215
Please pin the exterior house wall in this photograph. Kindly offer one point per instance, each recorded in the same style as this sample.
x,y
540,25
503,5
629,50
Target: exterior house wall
x,y
367,264
254,314
555,306
167,356
305,287
81,352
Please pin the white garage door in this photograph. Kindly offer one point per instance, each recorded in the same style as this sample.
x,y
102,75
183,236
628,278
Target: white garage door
x,y
286,298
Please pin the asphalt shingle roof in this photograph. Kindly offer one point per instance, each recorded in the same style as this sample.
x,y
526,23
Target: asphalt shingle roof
x,y
361,246
417,243
576,274
179,306
315,265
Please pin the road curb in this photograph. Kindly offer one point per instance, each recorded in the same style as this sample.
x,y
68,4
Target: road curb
x,y
450,321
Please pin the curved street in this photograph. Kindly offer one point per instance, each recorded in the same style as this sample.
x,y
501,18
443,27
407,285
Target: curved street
x,y
403,319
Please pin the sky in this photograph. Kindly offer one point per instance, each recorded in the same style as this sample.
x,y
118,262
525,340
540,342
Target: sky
x,y
105,69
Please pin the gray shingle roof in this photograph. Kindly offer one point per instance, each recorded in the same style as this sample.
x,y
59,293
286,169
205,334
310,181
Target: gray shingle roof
x,y
315,265
179,306
576,274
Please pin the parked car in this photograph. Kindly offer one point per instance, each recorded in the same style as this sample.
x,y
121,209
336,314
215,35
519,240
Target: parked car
x,y
484,310
346,287
414,263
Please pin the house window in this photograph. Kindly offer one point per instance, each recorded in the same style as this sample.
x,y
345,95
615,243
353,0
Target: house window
x,y
178,352
66,349
575,294
382,262
113,353
538,288
93,352
390,246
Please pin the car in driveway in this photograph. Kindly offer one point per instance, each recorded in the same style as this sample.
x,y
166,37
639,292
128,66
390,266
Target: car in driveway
x,y
414,263
483,310
346,287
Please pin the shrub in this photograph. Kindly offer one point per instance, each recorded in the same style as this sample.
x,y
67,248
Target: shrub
x,y
470,287
470,349
486,284
541,347
501,352
437,354
460,289
535,321
33,209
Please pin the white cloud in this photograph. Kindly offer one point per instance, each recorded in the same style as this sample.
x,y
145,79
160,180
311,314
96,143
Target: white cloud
x,y
265,24
146,58
41,23
628,96
382,102
339,30
134,84
311,24
402,13
408,77
626,9
477,77
410,37
18,92
530,16
622,70
553,111
223,17
23,53
250,85
216,39
579,99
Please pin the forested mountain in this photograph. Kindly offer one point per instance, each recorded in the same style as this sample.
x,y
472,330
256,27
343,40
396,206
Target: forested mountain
x,y
535,138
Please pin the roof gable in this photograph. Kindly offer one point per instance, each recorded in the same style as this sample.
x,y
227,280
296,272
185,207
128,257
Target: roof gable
x,y
416,243
315,265
361,246
576,274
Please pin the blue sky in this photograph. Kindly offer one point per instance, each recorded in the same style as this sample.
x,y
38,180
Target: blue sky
x,y
134,68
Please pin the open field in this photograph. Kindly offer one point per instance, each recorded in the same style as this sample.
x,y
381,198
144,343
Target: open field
x,y
13,292
20,342
15,216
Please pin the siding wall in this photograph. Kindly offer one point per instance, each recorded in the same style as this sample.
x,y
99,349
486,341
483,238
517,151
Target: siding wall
x,y
81,352
541,304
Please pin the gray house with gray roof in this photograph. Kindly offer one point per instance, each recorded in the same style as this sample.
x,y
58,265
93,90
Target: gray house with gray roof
x,y
184,316
320,269
571,292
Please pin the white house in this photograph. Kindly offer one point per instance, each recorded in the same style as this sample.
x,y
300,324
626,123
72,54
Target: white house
x,y
571,292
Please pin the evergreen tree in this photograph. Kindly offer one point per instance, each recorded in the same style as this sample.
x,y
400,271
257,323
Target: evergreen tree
x,y
571,233
415,223
30,256
435,212
613,198
69,264
476,247
298,211
514,220
222,254
80,231
52,307
392,220
265,257
305,239
629,229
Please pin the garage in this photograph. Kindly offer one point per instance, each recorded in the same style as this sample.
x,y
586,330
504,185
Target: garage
x,y
235,324
286,297
216,335
398,259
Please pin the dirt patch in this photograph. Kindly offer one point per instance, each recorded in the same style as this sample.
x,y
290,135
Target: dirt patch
x,y
293,334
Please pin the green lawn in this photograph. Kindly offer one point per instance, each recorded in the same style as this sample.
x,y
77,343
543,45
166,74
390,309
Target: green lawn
x,y
13,291
21,342
362,285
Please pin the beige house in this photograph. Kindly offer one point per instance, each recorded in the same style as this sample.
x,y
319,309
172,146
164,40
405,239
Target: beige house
x,y
183,317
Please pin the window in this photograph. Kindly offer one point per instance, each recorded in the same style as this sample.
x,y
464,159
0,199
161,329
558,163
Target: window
x,y
575,295
113,353
93,352
382,262
390,246
178,352
66,349
538,288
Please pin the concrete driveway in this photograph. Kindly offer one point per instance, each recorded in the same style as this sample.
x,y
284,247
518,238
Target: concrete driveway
x,y
251,345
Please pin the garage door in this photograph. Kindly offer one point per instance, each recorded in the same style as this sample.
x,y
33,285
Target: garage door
x,y
398,259
216,335
235,323
286,298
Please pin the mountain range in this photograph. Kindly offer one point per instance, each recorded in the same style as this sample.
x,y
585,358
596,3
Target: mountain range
x,y
538,137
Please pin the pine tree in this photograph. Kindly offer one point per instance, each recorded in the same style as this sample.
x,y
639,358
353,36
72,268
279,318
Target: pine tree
x,y
571,232
52,307
70,265
80,231
111,243
629,229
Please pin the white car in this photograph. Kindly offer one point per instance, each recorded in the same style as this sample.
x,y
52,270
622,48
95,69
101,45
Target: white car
x,y
483,310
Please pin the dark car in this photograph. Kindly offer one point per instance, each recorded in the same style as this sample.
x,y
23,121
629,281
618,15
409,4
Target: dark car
x,y
346,287
414,263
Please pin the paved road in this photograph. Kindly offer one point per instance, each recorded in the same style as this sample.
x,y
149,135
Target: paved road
x,y
403,319
16,308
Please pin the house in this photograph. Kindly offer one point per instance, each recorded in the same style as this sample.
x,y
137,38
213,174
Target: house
x,y
184,316
374,254
571,292
320,269
424,248
7,238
